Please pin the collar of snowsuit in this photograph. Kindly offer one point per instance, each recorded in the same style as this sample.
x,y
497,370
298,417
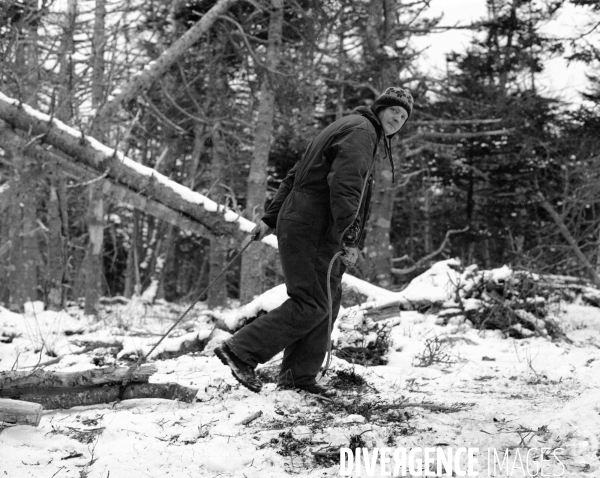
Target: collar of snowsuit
x,y
387,140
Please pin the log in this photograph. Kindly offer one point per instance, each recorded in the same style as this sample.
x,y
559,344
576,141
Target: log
x,y
381,310
11,381
251,418
62,398
116,167
166,197
20,413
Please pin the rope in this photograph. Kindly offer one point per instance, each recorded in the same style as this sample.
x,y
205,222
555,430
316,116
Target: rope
x,y
142,359
330,310
329,298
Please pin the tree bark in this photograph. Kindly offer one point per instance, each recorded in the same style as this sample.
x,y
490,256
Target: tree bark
x,y
254,260
217,295
22,234
56,253
381,31
55,262
22,227
93,267
65,390
93,262
62,398
44,379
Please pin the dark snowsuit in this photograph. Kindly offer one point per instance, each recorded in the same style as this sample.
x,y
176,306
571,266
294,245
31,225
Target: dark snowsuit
x,y
324,197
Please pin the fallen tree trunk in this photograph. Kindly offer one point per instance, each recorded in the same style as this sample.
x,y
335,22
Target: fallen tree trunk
x,y
116,167
62,398
17,412
12,383
115,191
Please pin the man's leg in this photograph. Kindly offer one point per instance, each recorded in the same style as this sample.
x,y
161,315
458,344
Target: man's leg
x,y
302,360
269,334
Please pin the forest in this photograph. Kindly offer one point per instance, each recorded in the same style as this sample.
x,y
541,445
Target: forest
x,y
105,105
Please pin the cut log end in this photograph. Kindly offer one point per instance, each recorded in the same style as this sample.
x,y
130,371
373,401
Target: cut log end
x,y
16,412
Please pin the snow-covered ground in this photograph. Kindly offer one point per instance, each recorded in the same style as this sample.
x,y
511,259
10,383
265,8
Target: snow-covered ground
x,y
495,394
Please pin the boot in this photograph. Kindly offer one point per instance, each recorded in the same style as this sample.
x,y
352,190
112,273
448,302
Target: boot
x,y
242,372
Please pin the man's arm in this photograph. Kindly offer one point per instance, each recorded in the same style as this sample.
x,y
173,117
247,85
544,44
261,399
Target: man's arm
x,y
270,216
353,156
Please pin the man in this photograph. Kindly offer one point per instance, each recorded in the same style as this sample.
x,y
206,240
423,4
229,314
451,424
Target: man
x,y
319,209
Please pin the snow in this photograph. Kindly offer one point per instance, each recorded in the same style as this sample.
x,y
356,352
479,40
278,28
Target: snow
x,y
497,394
435,284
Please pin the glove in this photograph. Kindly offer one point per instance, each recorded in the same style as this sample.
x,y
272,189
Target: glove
x,y
350,236
261,230
349,255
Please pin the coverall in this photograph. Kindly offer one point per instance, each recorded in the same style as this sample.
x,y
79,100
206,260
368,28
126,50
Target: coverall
x,y
322,201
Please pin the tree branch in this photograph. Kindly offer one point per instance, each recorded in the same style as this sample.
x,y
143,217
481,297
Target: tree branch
x,y
428,257
583,260
155,69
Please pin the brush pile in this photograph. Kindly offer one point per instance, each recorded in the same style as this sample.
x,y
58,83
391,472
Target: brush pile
x,y
518,303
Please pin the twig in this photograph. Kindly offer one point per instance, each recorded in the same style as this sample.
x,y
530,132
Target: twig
x,y
251,418
316,395
430,256
328,452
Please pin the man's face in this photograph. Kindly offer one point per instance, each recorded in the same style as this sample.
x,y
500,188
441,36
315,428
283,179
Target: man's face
x,y
392,118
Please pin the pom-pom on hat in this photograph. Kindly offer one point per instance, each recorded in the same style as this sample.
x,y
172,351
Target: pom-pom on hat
x,y
394,96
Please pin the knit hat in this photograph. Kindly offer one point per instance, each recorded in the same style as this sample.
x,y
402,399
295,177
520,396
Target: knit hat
x,y
394,96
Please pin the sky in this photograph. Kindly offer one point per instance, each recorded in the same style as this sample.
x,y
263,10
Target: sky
x,y
559,80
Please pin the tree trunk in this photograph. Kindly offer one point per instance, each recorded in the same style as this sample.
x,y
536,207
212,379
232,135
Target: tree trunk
x,y
93,262
254,259
115,191
93,268
217,295
427,229
99,46
381,31
119,169
56,260
24,259
133,284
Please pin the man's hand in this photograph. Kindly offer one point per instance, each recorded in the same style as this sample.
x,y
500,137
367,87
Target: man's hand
x,y
349,255
261,230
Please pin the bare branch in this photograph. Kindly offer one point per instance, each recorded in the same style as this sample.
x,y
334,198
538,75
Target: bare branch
x,y
428,257
156,68
583,260
465,135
